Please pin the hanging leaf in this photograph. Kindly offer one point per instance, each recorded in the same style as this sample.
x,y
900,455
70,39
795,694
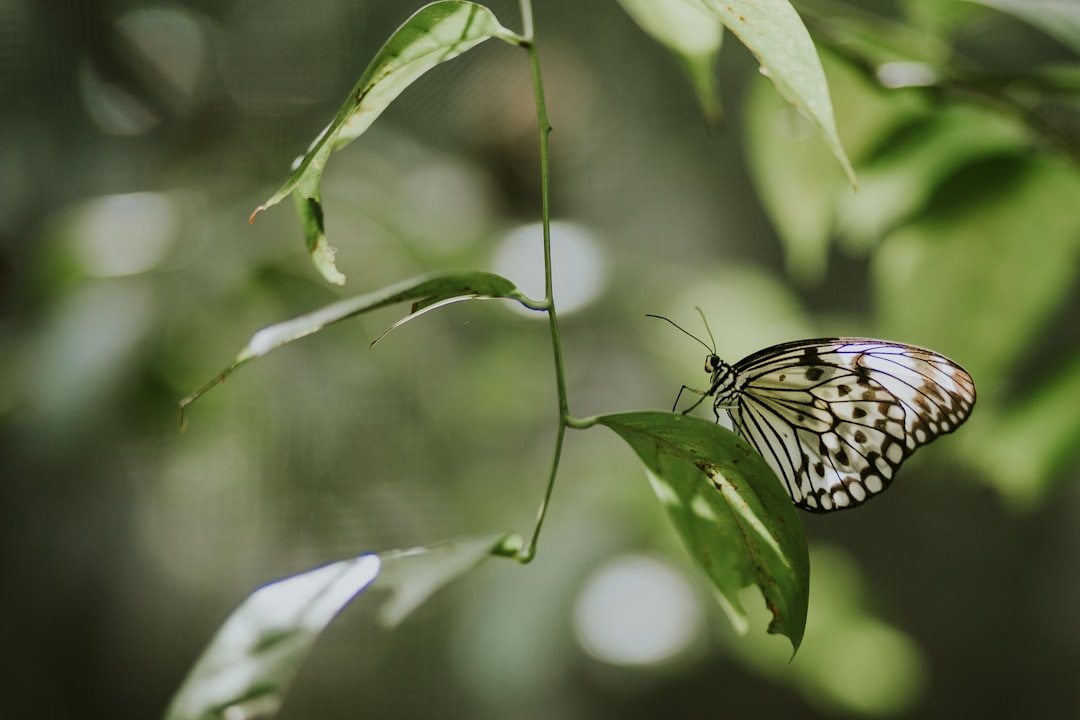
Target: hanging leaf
x,y
731,511
247,668
435,34
774,33
693,35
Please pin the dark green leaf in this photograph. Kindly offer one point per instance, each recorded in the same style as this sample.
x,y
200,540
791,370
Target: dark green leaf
x,y
427,292
730,510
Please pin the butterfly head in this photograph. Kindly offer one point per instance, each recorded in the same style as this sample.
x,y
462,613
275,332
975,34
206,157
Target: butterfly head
x,y
721,377
715,366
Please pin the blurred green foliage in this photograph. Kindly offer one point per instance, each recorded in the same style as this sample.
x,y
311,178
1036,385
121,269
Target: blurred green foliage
x,y
138,137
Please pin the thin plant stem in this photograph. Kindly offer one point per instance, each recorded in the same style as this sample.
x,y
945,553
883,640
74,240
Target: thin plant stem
x,y
527,20
529,551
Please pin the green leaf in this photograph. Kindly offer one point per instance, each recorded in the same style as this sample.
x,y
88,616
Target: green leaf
x,y
249,664
435,34
980,276
774,33
731,511
920,156
1025,449
1060,19
693,35
905,150
413,575
428,292
788,167
989,262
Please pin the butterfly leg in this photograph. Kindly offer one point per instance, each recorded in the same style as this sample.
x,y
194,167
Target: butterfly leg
x,y
702,393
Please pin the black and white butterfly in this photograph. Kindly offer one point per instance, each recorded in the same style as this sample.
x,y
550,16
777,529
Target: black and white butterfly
x,y
836,417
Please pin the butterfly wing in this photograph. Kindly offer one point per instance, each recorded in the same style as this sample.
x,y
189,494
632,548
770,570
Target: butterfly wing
x,y
836,417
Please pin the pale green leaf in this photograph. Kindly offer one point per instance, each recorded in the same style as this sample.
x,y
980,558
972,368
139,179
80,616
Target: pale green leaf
x,y
692,34
413,575
905,149
248,666
1060,19
437,33
788,166
774,33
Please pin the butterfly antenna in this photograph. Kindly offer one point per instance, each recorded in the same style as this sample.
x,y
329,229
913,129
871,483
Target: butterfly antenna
x,y
706,322
685,332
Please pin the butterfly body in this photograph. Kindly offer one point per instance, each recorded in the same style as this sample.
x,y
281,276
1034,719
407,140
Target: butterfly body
x,y
836,417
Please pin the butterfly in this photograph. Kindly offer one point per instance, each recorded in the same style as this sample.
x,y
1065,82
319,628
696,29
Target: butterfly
x,y
836,417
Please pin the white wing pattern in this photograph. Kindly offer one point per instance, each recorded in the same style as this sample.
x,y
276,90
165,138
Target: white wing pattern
x,y
836,417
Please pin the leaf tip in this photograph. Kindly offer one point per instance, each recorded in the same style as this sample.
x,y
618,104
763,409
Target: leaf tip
x,y
182,422
793,628
850,172
323,257
254,214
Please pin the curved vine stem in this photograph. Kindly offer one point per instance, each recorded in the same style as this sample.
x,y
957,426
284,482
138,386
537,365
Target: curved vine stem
x,y
527,553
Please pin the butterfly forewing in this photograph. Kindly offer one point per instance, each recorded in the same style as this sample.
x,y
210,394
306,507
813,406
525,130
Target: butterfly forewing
x,y
835,417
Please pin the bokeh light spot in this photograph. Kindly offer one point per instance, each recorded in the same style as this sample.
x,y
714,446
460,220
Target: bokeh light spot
x,y
578,267
123,234
637,610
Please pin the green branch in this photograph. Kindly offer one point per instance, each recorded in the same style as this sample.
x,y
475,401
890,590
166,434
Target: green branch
x,y
544,125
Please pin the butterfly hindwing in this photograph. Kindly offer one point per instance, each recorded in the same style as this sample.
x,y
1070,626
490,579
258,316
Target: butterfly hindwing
x,y
836,417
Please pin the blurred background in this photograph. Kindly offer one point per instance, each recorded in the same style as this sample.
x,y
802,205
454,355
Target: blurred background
x,y
137,137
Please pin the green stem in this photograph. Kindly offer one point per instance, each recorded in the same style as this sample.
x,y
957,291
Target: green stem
x,y
527,20
529,551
